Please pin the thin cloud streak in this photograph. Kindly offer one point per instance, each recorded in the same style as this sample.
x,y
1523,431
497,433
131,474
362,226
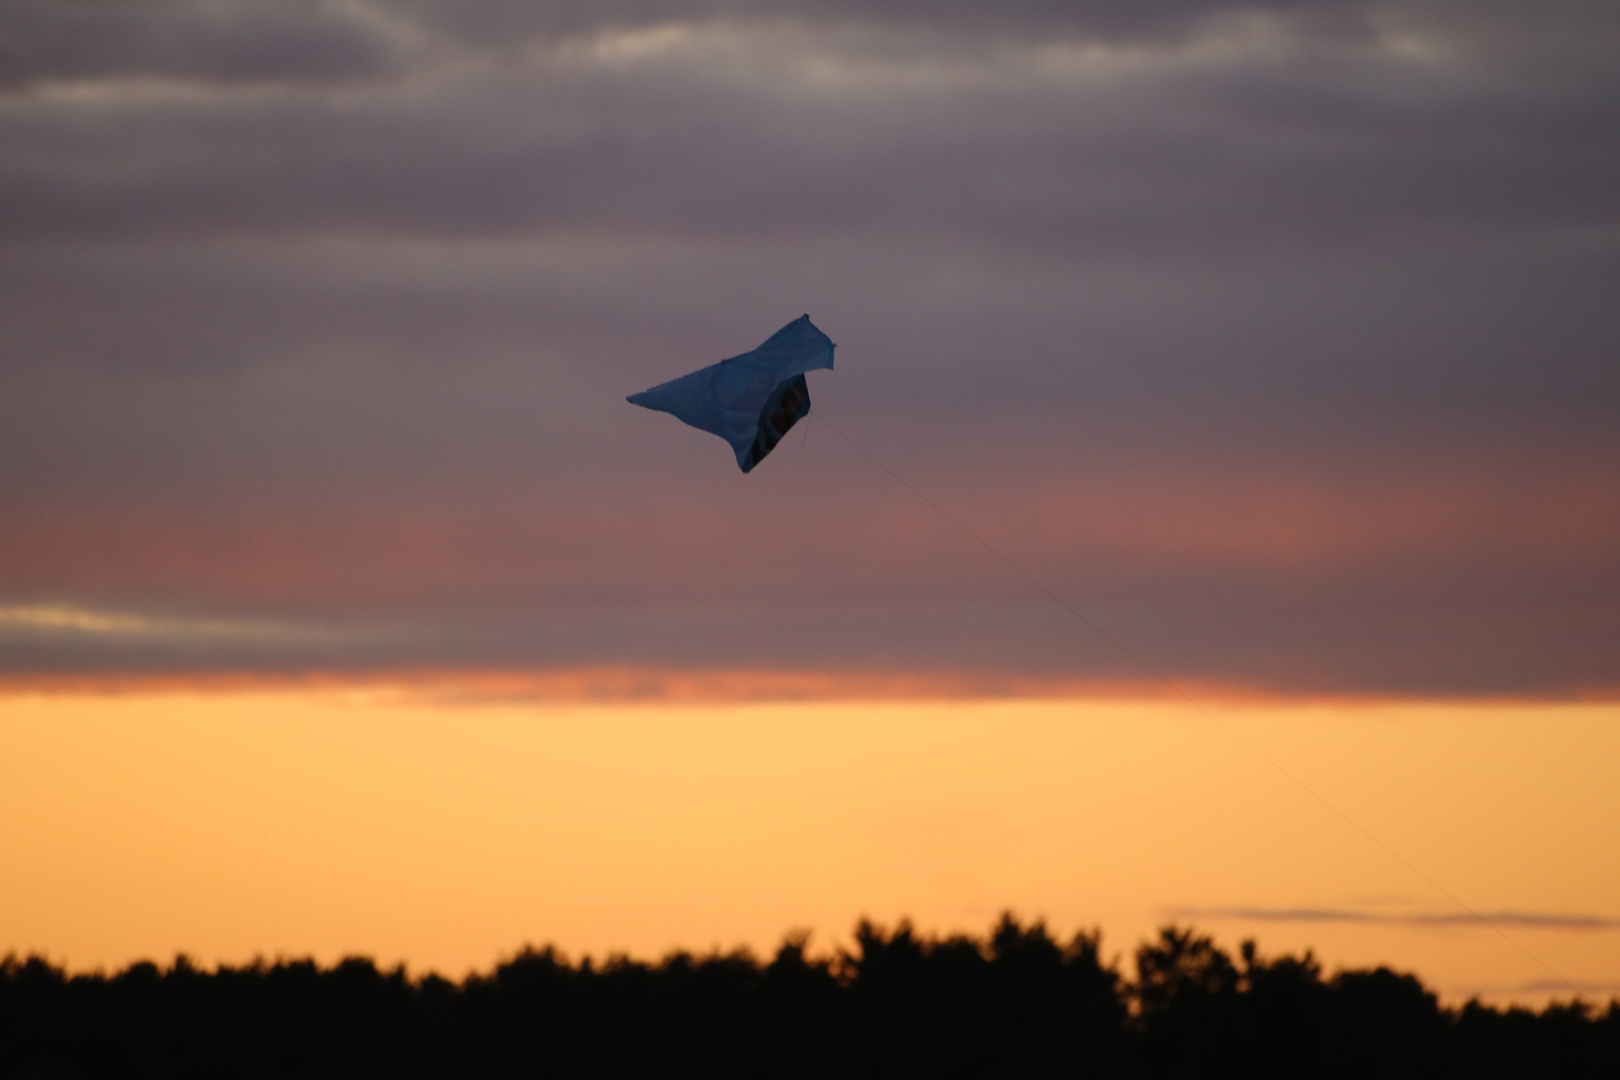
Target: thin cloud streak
x,y
1422,920
1552,986
20,623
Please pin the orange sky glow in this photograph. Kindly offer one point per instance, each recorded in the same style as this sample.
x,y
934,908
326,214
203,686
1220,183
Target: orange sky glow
x,y
444,829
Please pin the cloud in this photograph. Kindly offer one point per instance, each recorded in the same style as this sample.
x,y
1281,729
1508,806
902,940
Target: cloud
x,y
1278,337
757,127
1422,920
221,42
1556,986
54,620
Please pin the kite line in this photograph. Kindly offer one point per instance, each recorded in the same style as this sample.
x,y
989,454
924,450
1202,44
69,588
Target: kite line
x,y
1159,676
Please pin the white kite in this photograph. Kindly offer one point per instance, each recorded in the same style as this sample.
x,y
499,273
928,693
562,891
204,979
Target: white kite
x,y
750,400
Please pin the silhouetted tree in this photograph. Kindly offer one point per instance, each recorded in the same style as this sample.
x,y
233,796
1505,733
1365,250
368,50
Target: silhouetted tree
x,y
1013,1004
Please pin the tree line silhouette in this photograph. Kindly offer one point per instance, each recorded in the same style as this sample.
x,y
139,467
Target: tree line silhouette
x,y
1016,1003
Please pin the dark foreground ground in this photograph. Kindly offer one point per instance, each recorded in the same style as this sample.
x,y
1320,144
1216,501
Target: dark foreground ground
x,y
1015,1004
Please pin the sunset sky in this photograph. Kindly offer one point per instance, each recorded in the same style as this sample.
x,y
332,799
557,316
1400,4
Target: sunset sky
x,y
346,606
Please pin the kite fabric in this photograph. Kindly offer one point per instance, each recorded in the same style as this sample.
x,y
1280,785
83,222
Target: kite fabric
x,y
750,400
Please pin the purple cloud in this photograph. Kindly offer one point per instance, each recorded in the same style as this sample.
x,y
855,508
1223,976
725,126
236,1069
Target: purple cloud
x,y
1278,337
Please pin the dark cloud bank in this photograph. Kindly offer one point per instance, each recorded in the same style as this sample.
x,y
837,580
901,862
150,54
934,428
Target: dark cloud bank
x,y
1278,338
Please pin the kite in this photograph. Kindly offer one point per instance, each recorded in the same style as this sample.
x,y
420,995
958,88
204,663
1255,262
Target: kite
x,y
750,400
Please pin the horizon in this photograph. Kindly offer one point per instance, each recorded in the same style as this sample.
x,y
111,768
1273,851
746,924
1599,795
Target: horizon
x,y
443,832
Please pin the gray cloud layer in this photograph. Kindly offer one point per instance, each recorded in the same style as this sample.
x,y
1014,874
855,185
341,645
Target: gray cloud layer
x,y
1278,336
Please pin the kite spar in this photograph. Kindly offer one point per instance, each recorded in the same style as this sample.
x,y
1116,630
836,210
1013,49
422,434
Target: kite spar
x,y
750,400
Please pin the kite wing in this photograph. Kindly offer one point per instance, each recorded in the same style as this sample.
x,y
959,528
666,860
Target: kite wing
x,y
750,400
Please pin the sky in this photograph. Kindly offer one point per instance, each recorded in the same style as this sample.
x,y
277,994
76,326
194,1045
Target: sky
x,y
1275,341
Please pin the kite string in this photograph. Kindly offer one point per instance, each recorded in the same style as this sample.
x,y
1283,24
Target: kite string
x,y
1477,916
